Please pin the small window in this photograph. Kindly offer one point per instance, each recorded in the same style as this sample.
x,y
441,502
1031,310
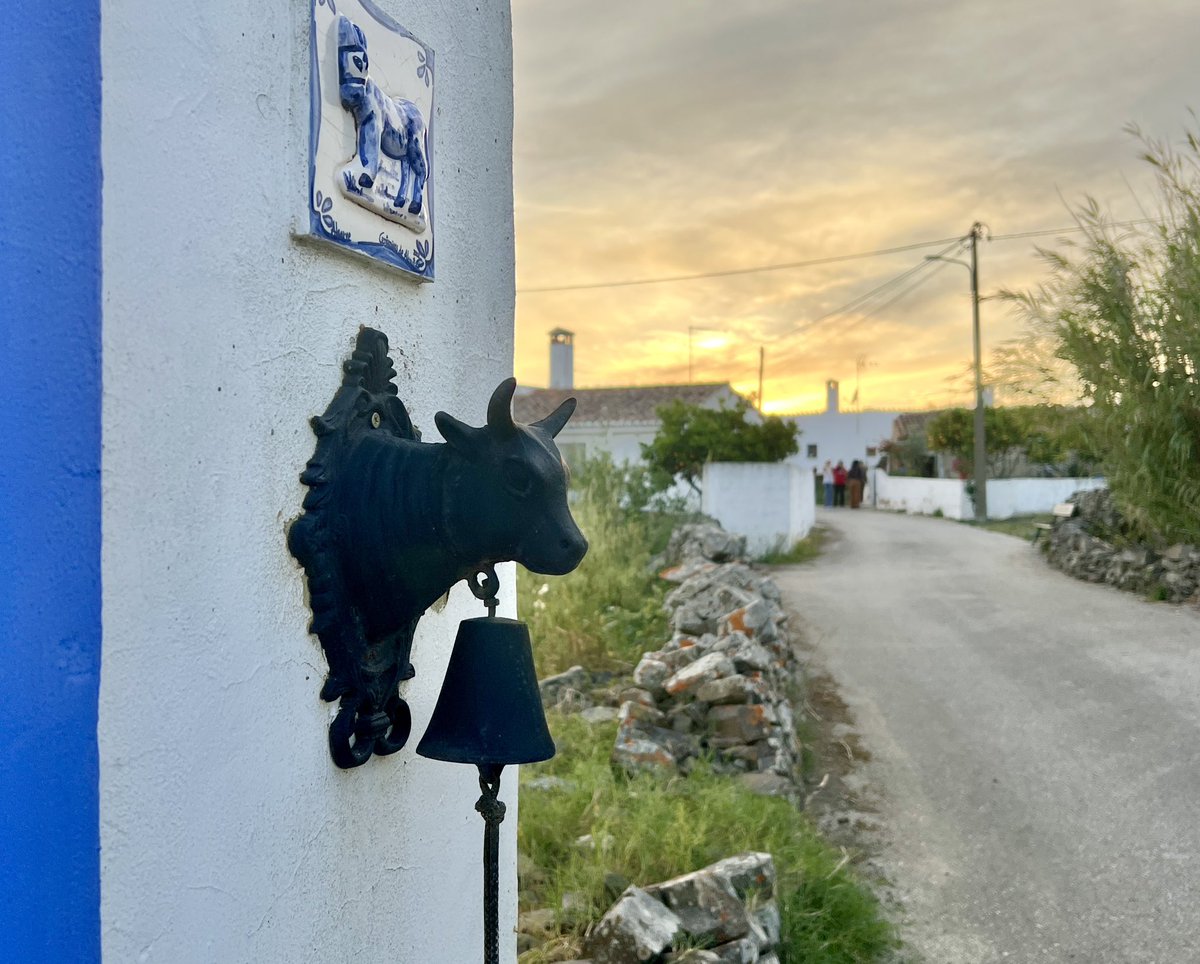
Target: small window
x,y
872,451
812,451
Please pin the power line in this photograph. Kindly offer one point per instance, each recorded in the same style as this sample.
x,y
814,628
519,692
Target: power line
x,y
834,259
1076,227
936,267
812,262
878,289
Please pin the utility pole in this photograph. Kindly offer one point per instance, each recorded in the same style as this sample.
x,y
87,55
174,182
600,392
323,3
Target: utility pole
x,y
980,499
980,440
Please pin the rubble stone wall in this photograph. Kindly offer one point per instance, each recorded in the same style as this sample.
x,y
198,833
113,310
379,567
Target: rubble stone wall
x,y
720,687
1089,546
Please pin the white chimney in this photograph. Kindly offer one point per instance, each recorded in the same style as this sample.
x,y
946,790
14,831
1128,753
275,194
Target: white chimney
x,y
831,396
562,358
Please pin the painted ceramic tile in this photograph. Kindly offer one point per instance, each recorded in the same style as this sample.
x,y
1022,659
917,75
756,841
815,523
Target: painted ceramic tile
x,y
371,144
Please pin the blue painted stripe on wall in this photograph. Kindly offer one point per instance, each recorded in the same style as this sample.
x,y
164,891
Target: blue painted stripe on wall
x,y
50,385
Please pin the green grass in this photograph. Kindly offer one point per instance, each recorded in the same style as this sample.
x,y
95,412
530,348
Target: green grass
x,y
604,616
805,550
609,611
660,828
1019,525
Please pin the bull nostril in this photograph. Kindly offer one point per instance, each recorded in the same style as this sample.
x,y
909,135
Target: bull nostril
x,y
576,546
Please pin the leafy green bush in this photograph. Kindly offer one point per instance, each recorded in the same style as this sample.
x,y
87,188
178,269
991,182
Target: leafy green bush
x,y
1004,433
649,829
691,435
1053,436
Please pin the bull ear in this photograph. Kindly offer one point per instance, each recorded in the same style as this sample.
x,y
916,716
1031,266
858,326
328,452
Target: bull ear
x,y
554,422
499,418
460,435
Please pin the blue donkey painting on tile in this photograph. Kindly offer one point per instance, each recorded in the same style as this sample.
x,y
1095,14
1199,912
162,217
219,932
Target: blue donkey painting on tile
x,y
388,171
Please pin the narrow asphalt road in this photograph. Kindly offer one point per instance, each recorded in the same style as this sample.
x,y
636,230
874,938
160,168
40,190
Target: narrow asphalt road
x,y
1034,741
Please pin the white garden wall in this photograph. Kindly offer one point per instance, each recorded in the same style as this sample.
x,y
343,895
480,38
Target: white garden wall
x,y
1006,497
1009,497
227,833
770,503
918,496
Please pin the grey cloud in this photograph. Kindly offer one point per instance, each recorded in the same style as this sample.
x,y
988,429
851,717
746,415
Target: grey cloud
x,y
806,129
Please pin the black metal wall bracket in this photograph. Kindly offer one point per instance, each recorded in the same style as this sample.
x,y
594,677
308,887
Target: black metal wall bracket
x,y
390,523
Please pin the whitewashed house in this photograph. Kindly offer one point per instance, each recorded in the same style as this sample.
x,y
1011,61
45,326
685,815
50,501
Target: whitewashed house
x,y
836,436
613,420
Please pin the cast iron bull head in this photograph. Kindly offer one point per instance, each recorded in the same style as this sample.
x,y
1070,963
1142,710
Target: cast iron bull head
x,y
390,523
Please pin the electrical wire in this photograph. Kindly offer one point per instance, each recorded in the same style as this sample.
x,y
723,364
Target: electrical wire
x,y
850,326
1078,227
786,266
812,262
854,303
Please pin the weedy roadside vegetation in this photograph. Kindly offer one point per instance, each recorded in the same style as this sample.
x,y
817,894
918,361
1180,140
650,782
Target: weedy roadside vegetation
x,y
646,829
1017,525
600,616
803,550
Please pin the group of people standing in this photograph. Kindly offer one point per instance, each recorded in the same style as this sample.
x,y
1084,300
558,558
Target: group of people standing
x,y
839,481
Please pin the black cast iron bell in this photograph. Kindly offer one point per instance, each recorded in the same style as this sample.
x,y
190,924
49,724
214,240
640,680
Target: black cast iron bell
x,y
489,712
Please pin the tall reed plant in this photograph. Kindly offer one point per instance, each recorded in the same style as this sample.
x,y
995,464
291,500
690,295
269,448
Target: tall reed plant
x,y
1122,308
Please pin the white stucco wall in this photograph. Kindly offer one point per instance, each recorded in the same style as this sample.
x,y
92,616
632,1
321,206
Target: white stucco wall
x,y
1009,497
1005,497
770,503
227,833
919,496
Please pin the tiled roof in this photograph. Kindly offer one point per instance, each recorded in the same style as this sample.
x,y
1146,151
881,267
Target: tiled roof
x,y
637,404
908,423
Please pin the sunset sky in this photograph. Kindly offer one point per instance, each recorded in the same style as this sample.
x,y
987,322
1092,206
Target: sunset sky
x,y
674,138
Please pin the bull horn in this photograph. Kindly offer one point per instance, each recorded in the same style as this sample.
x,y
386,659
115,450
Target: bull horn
x,y
554,422
460,435
499,417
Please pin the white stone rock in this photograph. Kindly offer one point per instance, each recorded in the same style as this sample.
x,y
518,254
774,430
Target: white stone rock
x,y
730,689
708,908
766,915
752,872
742,951
636,928
599,714
709,667
650,673
751,656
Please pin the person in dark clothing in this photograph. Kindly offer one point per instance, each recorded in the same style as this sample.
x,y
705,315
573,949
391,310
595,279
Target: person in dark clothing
x,y
839,484
856,480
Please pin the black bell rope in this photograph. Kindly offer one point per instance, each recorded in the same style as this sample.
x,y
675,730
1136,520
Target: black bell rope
x,y
492,811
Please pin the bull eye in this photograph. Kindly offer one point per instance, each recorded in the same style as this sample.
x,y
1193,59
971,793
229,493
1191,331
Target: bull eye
x,y
376,420
518,480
